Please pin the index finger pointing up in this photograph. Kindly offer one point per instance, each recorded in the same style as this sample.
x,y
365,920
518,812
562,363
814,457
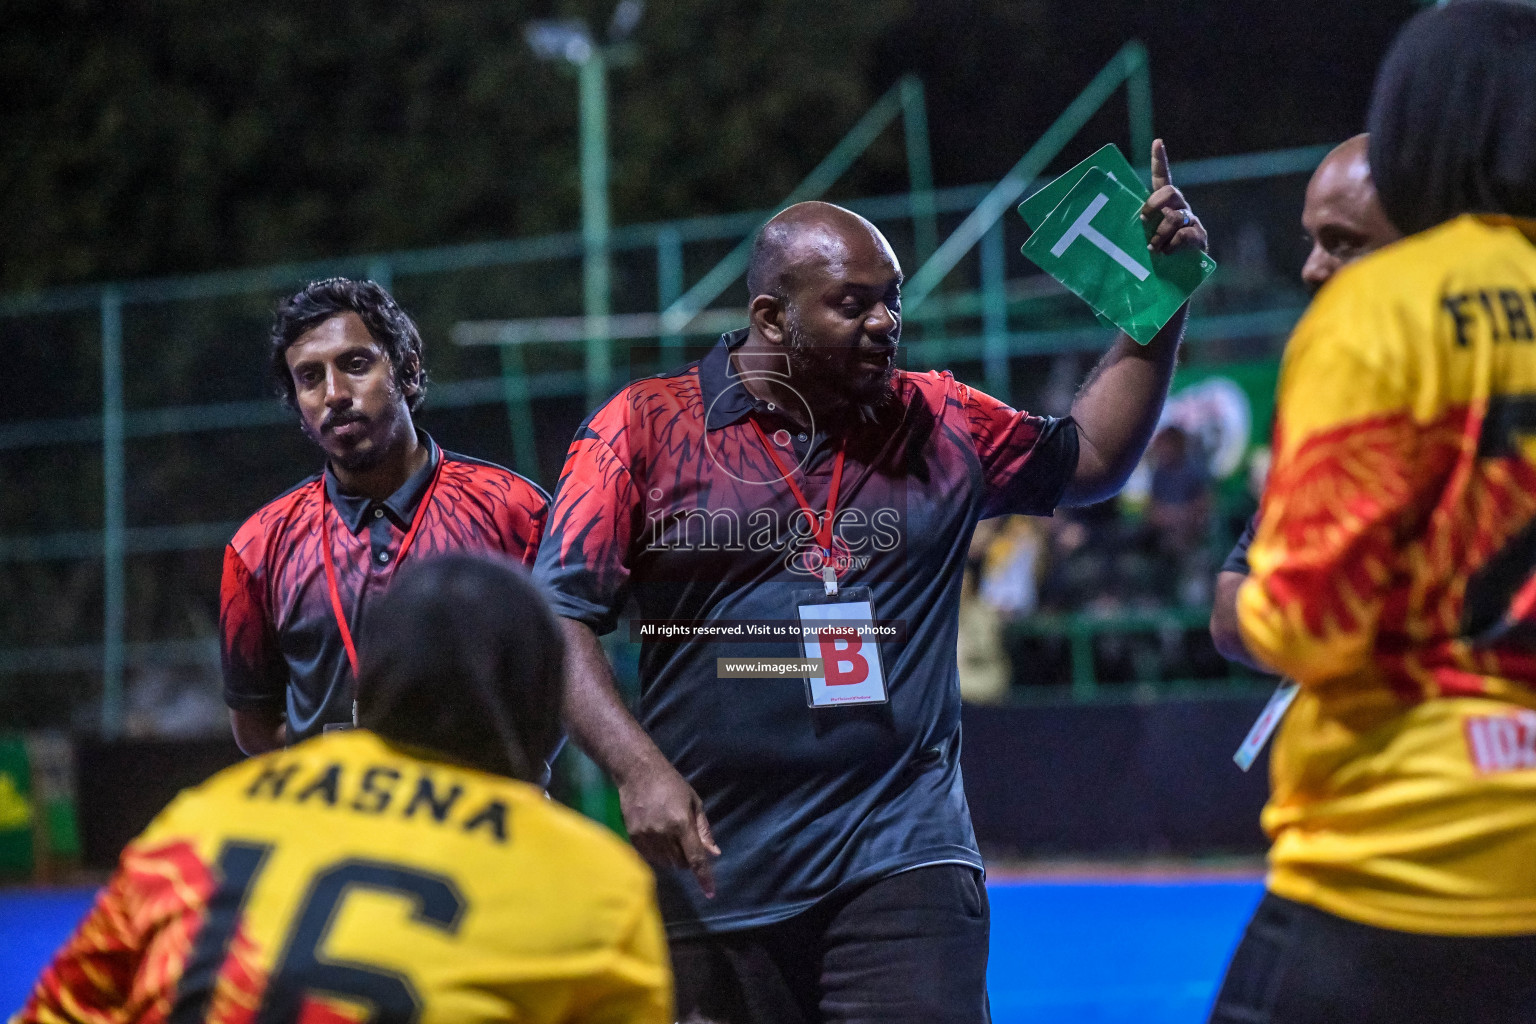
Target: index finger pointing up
x,y
1160,175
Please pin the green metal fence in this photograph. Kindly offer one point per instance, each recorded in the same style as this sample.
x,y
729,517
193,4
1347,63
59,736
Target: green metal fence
x,y
139,435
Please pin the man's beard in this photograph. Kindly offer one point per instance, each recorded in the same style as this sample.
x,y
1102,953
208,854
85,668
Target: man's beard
x,y
358,459
361,461
832,378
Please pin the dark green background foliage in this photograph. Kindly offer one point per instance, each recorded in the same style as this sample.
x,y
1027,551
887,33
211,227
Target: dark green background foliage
x,y
152,136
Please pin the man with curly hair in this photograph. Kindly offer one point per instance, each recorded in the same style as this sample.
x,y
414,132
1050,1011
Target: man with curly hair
x,y
298,573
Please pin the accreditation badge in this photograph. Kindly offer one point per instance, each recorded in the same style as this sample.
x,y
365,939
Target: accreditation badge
x,y
840,629
1267,722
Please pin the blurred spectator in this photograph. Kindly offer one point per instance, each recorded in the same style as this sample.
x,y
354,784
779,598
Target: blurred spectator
x,y
1180,505
1012,559
1083,548
1103,562
1007,560
985,670
1179,516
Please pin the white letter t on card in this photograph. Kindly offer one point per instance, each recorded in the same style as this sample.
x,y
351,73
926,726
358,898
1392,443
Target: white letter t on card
x,y
1083,228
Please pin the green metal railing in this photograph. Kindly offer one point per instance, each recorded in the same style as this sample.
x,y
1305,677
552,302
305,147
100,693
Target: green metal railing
x,y
906,98
1128,67
963,323
1081,629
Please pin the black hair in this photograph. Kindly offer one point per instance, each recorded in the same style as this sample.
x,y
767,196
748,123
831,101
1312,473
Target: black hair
x,y
462,656
1453,115
387,323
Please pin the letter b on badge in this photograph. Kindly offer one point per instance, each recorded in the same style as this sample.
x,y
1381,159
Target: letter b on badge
x,y
839,635
841,652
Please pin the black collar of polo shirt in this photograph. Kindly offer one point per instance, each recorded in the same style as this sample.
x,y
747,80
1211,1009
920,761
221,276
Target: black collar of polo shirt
x,y
400,506
727,401
726,398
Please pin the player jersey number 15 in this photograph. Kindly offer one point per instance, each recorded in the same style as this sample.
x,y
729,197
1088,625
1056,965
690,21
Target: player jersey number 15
x,y
300,969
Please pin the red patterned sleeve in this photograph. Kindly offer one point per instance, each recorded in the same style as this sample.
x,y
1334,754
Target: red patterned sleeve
x,y
1355,473
125,959
92,976
255,674
584,557
1026,460
529,513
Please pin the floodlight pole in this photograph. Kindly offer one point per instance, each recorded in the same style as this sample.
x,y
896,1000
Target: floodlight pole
x,y
595,230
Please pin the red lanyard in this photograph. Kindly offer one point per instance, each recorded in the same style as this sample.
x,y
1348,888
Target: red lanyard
x,y
823,525
330,567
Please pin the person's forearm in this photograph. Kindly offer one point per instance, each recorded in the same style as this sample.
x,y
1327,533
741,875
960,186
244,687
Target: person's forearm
x,y
595,715
1117,410
259,731
1225,633
663,815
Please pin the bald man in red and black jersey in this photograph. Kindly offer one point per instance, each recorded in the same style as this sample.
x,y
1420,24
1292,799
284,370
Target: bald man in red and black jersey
x,y
298,573
815,857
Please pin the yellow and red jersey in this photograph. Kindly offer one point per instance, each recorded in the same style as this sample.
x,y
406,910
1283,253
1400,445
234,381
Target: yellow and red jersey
x,y
344,880
1392,577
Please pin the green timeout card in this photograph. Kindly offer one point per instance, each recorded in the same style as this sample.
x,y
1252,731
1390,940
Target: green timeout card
x,y
1094,243
1107,158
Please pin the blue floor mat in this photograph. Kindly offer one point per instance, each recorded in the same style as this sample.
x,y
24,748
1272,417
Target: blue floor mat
x,y
33,922
1131,951
1113,952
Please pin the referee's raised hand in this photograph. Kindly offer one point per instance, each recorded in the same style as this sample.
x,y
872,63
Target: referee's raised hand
x,y
1166,212
666,821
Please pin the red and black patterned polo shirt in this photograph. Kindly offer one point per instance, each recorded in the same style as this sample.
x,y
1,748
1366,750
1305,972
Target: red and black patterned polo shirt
x,y
282,647
669,499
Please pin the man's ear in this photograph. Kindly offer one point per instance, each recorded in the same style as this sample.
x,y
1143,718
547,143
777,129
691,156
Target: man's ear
x,y
767,315
412,367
